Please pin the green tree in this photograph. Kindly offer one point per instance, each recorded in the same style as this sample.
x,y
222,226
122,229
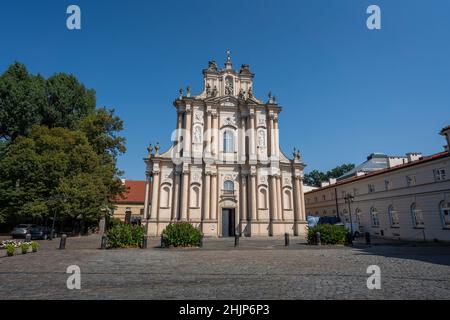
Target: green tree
x,y
22,100
315,177
53,169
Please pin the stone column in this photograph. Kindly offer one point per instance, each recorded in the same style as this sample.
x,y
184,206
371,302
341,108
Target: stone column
x,y
243,201
252,192
215,134
213,195
147,195
279,193
242,151
209,132
273,200
302,201
206,196
188,133
155,195
184,199
297,199
272,138
176,196
276,137
251,140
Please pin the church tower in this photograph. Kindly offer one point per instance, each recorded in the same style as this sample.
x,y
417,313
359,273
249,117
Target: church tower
x,y
225,172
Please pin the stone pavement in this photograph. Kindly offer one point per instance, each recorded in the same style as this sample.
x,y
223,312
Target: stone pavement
x,y
257,269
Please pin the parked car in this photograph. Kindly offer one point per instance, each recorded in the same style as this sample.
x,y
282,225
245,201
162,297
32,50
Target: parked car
x,y
312,221
330,220
39,232
21,230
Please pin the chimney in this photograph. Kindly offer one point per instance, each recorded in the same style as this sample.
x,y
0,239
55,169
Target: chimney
x,y
324,184
332,181
413,156
446,132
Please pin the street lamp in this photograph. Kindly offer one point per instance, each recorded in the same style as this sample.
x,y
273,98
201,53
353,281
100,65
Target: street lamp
x,y
349,199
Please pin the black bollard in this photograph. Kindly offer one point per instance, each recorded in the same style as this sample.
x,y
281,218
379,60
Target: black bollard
x,y
367,234
200,243
349,238
28,237
286,239
163,243
62,242
104,241
236,240
144,242
318,241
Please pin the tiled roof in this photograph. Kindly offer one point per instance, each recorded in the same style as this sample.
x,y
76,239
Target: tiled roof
x,y
401,166
136,192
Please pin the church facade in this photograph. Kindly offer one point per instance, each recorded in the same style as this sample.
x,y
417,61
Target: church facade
x,y
225,172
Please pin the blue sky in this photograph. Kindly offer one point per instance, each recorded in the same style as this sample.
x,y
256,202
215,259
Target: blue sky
x,y
346,91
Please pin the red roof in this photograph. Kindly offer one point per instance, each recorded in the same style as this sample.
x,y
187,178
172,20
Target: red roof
x,y
378,172
135,194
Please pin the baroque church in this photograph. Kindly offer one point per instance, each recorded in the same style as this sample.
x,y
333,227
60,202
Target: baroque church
x,y
225,172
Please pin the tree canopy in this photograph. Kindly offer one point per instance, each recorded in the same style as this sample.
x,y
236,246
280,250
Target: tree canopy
x,y
316,177
57,149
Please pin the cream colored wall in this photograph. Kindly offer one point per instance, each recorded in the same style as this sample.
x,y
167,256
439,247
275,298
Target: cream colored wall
x,y
120,209
428,193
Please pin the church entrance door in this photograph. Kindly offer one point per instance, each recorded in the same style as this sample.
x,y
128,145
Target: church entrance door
x,y
228,222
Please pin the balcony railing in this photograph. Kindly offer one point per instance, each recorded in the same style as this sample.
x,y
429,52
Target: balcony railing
x,y
228,192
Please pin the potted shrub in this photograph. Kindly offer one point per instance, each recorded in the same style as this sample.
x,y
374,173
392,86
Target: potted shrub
x,y
24,246
34,246
10,249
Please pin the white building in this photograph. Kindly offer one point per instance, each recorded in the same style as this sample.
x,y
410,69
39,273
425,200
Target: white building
x,y
225,171
410,200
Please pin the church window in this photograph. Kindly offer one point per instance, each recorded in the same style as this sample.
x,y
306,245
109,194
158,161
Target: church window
x,y
228,141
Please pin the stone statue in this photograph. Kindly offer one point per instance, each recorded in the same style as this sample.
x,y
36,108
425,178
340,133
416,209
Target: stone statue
x,y
197,135
208,90
228,86
261,139
250,92
241,94
188,91
214,92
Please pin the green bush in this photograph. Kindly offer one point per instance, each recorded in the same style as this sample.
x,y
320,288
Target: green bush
x,y
112,222
24,247
10,249
125,236
34,246
181,234
329,234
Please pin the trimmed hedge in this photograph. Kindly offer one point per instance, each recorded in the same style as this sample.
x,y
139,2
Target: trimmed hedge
x,y
124,235
181,234
329,234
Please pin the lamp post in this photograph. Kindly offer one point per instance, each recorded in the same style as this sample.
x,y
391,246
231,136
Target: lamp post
x,y
349,199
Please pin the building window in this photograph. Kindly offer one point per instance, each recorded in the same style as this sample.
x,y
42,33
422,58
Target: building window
x,y
324,198
387,185
374,217
358,216
445,213
417,216
439,174
355,192
393,217
228,142
343,194
411,180
287,200
371,188
315,199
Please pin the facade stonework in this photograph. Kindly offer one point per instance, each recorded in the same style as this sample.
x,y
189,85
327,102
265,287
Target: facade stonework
x,y
225,172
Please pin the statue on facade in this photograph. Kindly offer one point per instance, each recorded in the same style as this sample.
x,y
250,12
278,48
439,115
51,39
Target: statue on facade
x,y
250,92
228,86
261,139
214,92
208,90
197,135
241,94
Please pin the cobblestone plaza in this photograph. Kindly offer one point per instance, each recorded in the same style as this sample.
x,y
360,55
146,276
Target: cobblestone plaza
x,y
257,269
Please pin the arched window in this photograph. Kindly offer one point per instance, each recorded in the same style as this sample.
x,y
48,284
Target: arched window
x,y
417,216
445,213
228,186
195,197
228,141
287,199
345,215
165,197
358,216
393,217
374,217
262,198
